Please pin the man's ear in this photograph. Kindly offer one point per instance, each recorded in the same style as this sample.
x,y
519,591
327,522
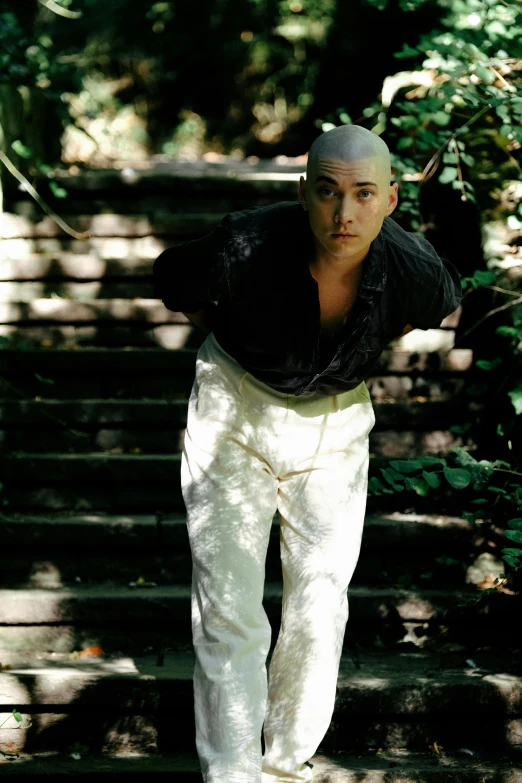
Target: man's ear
x,y
301,191
393,197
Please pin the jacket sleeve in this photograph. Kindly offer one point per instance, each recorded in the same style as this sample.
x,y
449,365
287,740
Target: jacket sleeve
x,y
442,295
188,276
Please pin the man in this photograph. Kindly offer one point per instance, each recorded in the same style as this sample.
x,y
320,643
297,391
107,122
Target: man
x,y
299,299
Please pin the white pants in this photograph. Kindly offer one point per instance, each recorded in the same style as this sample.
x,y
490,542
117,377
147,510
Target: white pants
x,y
248,452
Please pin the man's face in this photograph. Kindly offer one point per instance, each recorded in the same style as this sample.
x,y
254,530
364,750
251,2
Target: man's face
x,y
347,198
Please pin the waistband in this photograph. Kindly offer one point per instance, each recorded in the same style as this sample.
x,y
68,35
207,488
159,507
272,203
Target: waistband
x,y
214,348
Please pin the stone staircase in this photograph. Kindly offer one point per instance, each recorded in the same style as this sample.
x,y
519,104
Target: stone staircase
x,y
95,647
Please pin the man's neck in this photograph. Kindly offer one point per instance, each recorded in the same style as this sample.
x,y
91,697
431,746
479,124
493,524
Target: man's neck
x,y
346,269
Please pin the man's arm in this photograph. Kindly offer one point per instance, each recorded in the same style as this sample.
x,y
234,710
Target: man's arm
x,y
190,276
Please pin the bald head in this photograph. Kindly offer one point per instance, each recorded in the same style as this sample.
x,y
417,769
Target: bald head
x,y
348,143
347,194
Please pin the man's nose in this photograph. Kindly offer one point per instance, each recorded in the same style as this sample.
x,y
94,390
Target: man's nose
x,y
344,212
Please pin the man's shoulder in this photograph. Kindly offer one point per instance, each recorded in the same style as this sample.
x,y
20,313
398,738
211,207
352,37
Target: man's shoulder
x,y
265,219
407,244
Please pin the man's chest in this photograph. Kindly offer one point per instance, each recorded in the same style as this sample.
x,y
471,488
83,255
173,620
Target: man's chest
x,y
336,301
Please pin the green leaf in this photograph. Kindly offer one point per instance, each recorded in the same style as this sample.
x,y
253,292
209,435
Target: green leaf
x,y
21,149
41,378
447,561
431,461
56,190
409,121
485,74
484,277
441,118
17,716
450,157
375,486
406,51
393,474
516,398
512,551
405,142
514,535
431,478
512,561
463,456
483,364
43,167
460,429
390,476
345,118
479,501
515,524
406,466
418,484
508,331
449,173
457,477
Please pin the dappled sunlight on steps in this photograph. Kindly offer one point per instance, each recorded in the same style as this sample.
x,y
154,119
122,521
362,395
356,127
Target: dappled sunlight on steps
x,y
95,637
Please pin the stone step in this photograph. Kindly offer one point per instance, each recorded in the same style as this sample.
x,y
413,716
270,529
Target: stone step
x,y
393,766
414,416
439,361
148,483
59,267
122,497
131,618
388,700
160,383
157,426
168,224
180,338
105,468
133,287
171,604
394,360
67,532
179,179
411,569
428,551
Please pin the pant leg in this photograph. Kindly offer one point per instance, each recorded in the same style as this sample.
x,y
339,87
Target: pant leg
x,y
322,505
230,495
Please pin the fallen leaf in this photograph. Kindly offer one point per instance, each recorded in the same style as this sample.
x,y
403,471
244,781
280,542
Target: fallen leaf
x,y
92,651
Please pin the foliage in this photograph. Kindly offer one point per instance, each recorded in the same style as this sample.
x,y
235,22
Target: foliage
x,y
460,470
463,102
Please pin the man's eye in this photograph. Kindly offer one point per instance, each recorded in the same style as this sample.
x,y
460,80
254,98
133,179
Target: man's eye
x,y
322,191
368,192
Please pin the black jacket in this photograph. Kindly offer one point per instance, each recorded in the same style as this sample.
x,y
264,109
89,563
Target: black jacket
x,y
254,264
